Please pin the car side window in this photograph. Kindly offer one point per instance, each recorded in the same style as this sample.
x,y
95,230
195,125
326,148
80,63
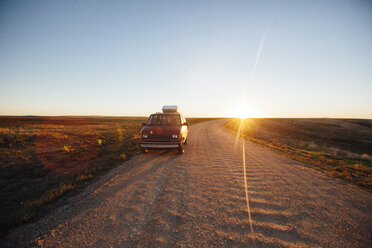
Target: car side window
x,y
150,120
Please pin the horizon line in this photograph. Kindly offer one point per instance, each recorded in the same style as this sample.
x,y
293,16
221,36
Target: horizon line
x,y
222,117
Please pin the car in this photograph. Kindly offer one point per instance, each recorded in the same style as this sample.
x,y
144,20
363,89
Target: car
x,y
164,130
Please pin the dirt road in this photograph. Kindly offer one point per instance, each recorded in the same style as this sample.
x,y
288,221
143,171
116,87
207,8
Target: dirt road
x,y
198,199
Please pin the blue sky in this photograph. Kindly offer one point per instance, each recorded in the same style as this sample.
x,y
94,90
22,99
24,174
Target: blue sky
x,y
212,58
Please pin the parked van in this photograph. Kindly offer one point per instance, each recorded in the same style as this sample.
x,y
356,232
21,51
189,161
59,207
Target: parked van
x,y
164,130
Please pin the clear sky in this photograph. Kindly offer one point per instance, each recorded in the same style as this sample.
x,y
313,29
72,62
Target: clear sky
x,y
212,58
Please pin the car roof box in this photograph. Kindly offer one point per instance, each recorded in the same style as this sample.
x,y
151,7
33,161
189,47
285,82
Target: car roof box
x,y
170,109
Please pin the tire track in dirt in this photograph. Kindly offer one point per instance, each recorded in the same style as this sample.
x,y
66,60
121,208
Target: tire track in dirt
x,y
198,199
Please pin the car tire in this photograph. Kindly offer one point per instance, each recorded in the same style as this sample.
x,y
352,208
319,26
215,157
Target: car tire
x,y
180,150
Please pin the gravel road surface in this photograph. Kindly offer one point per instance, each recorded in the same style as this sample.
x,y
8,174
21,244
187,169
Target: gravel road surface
x,y
199,199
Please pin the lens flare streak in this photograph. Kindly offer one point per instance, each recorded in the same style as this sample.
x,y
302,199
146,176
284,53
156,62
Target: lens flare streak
x,y
245,179
260,48
238,134
246,190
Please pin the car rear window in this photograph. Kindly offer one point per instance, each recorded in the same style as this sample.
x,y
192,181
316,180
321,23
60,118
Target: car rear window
x,y
164,120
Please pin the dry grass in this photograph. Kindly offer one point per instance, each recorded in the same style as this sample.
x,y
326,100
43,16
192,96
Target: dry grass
x,y
42,158
340,147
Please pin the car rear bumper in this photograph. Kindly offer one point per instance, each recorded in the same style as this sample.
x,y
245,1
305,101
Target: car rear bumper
x,y
160,144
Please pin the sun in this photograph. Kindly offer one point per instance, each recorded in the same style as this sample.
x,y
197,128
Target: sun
x,y
244,112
